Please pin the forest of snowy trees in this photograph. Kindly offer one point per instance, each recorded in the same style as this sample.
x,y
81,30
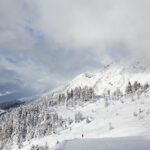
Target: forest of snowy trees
x,y
136,86
35,120
130,90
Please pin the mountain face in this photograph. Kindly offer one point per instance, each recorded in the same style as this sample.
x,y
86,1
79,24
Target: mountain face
x,y
84,105
111,77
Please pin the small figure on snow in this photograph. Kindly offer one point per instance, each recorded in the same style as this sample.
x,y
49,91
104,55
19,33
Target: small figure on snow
x,y
57,142
82,136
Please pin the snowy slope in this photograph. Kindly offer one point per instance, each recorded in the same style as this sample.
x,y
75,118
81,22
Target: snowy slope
x,y
127,143
129,116
122,118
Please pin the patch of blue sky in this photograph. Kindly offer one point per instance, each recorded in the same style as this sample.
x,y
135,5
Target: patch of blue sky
x,y
34,33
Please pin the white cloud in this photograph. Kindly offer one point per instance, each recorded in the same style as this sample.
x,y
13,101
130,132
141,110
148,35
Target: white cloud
x,y
97,24
45,43
6,93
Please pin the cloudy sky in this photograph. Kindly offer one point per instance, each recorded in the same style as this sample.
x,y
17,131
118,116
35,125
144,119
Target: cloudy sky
x,y
44,43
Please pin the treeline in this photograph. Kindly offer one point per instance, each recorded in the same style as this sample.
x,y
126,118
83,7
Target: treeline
x,y
39,119
136,86
130,89
76,96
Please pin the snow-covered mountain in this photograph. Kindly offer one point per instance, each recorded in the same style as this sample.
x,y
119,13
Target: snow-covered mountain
x,y
73,109
111,77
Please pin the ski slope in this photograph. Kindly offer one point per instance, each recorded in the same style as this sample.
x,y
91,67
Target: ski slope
x,y
118,119
127,143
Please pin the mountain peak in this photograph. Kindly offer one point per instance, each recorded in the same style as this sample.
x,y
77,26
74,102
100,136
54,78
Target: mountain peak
x,y
113,76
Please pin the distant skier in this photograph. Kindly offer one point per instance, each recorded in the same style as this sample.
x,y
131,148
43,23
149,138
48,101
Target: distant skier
x,y
82,136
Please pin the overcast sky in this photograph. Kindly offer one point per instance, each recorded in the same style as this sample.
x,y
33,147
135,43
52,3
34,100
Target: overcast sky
x,y
44,43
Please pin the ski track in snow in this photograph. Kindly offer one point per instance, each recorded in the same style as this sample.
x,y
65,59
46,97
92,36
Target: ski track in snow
x,y
127,143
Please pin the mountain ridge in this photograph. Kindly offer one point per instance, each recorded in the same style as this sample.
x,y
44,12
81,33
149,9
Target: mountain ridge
x,y
111,77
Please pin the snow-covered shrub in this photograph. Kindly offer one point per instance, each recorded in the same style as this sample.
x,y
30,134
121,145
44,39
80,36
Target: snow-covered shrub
x,y
70,121
93,111
122,101
135,114
141,117
140,110
106,102
148,112
142,102
111,126
78,117
132,99
37,147
128,89
88,120
117,94
57,142
146,86
117,114
34,147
